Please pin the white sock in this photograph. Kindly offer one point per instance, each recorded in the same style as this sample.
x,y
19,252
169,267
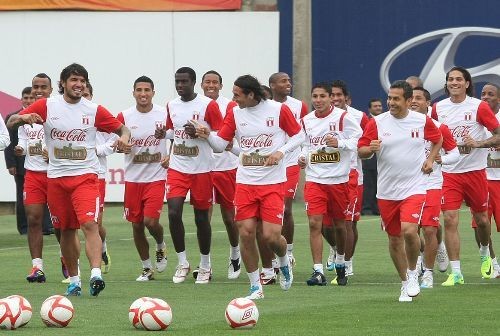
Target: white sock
x,y
75,280
494,262
38,263
147,263
161,246
411,272
484,251
254,278
348,263
235,252
318,268
95,272
275,263
268,271
455,266
419,260
60,253
283,261
289,248
205,261
339,259
104,246
182,256
404,283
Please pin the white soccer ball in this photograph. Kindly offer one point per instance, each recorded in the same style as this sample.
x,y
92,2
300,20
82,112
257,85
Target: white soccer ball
x,y
10,314
25,306
155,314
57,311
133,311
242,313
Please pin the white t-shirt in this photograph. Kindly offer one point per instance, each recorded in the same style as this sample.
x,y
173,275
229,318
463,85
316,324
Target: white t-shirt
x,y
299,110
362,120
32,140
435,179
104,148
225,160
493,161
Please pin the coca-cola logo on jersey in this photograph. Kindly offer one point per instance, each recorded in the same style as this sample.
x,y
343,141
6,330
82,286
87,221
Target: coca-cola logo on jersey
x,y
259,141
141,142
321,140
71,135
33,134
179,133
460,131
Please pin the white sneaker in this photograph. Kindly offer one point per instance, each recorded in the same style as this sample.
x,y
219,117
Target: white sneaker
x,y
427,280
442,260
404,297
286,277
420,267
496,273
276,266
204,276
291,259
256,293
146,275
412,288
181,272
161,260
349,268
234,269
330,262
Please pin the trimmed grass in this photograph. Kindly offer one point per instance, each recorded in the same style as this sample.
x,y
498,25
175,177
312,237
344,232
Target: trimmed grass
x,y
367,306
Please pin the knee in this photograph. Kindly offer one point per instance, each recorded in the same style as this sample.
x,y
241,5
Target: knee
x,y
174,214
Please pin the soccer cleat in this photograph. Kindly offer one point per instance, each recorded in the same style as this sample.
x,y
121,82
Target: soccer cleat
x,y
412,288
96,285
146,275
404,297
427,280
349,270
442,260
234,269
486,267
330,262
105,262
286,277
181,271
267,279
195,272
291,259
453,279
341,278
64,269
316,279
496,274
73,290
276,266
256,293
65,281
204,276
36,275
161,260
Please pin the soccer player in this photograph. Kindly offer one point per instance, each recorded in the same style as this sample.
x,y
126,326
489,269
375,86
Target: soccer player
x,y
70,123
402,177
104,147
332,136
190,166
466,117
261,127
429,223
144,175
224,174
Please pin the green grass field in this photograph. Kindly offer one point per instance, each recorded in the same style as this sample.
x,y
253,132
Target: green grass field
x,y
367,306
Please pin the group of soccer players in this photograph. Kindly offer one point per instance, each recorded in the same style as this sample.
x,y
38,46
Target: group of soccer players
x,y
246,154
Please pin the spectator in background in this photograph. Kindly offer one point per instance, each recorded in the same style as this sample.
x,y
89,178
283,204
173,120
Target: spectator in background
x,y
414,81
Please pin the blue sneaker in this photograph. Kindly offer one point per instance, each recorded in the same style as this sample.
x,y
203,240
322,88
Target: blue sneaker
x,y
96,285
73,290
286,277
316,279
256,293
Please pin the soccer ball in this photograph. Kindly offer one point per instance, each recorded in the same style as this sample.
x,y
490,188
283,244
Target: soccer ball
x,y
25,307
133,311
155,314
242,313
10,314
57,311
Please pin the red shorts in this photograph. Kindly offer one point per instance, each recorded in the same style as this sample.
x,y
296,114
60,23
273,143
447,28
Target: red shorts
x,y
393,213
355,197
73,200
493,203
224,187
143,200
292,181
471,187
432,208
261,201
329,200
102,193
199,185
35,187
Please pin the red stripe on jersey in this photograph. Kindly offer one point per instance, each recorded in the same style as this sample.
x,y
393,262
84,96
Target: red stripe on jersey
x,y
486,117
288,122
213,117
370,133
431,132
105,121
228,129
39,107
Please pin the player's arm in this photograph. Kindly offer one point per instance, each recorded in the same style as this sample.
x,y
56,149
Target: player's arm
x,y
369,143
485,117
432,134
452,155
106,148
4,135
36,113
106,122
306,147
292,129
22,143
352,132
218,141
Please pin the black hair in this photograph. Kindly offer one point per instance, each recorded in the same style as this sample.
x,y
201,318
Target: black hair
x,y
43,75
468,78
26,90
144,79
248,83
401,84
323,85
340,84
267,90
427,95
211,72
189,71
72,69
373,100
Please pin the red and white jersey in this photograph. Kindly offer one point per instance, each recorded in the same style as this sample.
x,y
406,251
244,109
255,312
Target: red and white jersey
x,y
328,165
299,111
260,131
143,164
493,161
435,179
362,120
225,160
470,117
104,148
402,153
190,155
32,140
70,131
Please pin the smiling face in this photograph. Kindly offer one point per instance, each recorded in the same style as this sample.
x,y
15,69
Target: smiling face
x,y
73,88
321,100
489,94
457,85
143,94
398,105
41,88
419,103
211,86
281,85
338,98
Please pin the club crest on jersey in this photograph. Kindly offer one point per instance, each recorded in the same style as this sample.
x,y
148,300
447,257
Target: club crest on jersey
x,y
415,133
270,122
333,126
85,120
159,124
196,115
468,116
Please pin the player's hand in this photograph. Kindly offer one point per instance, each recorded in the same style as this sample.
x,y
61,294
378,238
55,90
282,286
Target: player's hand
x,y
12,171
375,145
201,131
31,118
190,128
273,159
331,141
121,146
229,146
469,142
45,155
427,166
165,162
438,159
18,151
302,162
160,132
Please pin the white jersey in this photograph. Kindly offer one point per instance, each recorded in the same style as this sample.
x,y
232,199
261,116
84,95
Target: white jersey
x,y
361,118
435,178
493,162
143,164
225,160
299,110
470,117
191,155
32,140
328,165
104,148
